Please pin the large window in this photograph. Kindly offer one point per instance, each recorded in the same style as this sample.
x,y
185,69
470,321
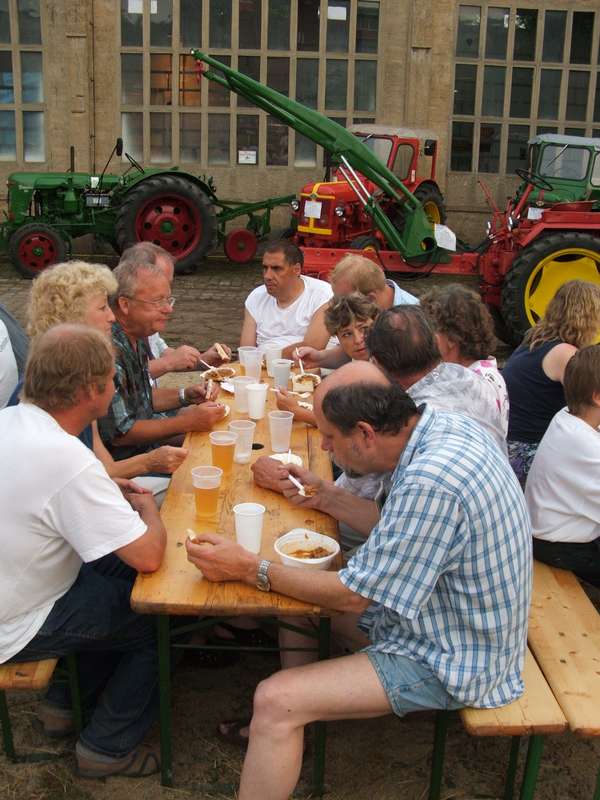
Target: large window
x,y
322,53
521,71
22,136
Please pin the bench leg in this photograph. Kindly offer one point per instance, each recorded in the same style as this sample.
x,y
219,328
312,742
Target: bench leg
x,y
9,747
164,686
532,765
71,661
511,772
437,756
597,791
320,727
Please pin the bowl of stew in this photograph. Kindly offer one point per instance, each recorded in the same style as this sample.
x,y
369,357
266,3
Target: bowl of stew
x,y
306,549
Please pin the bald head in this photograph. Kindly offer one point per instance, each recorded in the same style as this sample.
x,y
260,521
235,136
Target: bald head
x,y
355,372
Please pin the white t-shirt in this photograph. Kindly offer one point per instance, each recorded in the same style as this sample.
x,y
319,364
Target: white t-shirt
x,y
9,374
487,368
157,345
59,509
562,489
284,326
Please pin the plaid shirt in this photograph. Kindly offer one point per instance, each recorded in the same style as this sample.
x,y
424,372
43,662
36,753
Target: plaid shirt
x,y
448,566
132,400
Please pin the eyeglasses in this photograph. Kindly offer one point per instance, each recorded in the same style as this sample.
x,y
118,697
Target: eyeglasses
x,y
160,303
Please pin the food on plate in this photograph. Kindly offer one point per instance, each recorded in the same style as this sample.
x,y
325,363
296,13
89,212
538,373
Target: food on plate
x,y
306,382
219,374
315,552
287,458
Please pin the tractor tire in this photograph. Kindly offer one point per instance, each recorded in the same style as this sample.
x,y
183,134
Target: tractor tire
x,y
433,202
170,211
540,270
365,242
33,247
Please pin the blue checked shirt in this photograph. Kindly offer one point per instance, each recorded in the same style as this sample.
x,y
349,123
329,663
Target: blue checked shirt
x,y
448,566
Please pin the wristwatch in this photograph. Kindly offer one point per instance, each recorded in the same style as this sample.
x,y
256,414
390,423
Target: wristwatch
x,y
262,578
183,401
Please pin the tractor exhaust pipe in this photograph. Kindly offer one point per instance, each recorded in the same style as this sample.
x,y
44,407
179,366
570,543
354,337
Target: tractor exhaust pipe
x,y
72,158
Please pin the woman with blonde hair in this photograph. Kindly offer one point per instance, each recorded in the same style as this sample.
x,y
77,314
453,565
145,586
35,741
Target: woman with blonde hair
x,y
534,372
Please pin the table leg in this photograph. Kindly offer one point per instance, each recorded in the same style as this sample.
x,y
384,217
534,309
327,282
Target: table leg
x,y
164,689
320,727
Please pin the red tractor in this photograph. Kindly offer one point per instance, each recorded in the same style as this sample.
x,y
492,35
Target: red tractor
x,y
329,213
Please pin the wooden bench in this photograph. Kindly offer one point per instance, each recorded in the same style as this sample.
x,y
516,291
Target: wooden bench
x,y
564,635
535,714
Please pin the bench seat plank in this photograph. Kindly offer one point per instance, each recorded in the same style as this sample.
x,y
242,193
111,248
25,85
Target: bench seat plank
x,y
564,635
535,712
27,675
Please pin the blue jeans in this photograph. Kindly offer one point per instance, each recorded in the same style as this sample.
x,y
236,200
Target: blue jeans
x,y
116,655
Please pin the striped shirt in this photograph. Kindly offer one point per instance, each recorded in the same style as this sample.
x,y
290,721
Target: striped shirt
x,y
448,566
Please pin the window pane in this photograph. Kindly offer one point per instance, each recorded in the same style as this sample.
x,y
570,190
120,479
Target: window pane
x,y
132,78
461,158
577,95
338,23
307,70
33,136
597,99
32,87
220,25
7,89
365,85
467,36
558,162
219,95
190,23
581,37
496,34
525,30
132,127
308,25
367,26
189,87
30,32
489,147
4,30
336,85
306,152
492,104
546,129
465,80
277,143
549,93
131,24
160,138
189,137
160,79
218,139
278,75
250,20
161,23
516,157
250,66
279,25
554,35
575,132
520,96
8,141
247,139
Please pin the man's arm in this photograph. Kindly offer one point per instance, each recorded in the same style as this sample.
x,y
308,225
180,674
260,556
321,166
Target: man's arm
x,y
146,553
316,334
248,335
181,359
195,418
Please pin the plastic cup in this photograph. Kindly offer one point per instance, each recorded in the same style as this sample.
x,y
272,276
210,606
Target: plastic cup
x,y
223,447
253,364
257,399
245,436
271,353
247,348
240,402
248,518
206,482
280,428
281,372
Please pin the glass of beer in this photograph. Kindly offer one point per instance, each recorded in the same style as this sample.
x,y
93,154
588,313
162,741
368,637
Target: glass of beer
x,y
223,447
206,481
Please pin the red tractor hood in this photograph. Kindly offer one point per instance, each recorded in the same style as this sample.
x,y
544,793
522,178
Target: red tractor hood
x,y
339,190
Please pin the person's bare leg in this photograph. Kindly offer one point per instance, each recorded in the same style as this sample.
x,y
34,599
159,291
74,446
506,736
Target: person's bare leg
x,y
342,688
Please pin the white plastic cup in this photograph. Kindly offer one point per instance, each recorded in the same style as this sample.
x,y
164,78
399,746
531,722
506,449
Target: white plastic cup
x,y
281,372
240,402
253,364
247,348
280,428
245,437
248,518
257,399
271,353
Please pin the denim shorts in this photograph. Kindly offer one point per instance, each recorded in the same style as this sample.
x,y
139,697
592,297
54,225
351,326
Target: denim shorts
x,y
409,686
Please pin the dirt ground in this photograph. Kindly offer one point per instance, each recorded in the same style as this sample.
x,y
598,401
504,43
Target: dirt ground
x,y
384,759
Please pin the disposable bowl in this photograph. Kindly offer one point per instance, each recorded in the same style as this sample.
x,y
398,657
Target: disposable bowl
x,y
305,538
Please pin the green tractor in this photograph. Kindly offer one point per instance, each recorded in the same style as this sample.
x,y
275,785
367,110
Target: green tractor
x,y
171,208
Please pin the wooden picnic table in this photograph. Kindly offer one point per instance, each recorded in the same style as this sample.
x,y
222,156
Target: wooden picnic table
x,y
178,587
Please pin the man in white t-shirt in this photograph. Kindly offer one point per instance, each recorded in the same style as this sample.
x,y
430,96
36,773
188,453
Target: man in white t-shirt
x,y
9,374
562,485
288,310
71,545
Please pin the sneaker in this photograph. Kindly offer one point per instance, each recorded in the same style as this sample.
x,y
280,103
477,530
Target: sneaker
x,y
139,763
56,722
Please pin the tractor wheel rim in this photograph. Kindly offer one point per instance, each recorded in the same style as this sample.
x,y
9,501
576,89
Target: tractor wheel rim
x,y
171,222
37,251
240,245
567,264
432,210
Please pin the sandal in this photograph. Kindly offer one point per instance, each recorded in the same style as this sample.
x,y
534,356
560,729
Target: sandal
x,y
244,637
211,659
140,763
230,731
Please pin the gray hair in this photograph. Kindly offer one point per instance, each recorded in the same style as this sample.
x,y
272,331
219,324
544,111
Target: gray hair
x,y
128,275
145,253
387,409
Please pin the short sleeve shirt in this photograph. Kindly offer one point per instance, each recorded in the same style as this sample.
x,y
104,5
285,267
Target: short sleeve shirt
x,y
401,296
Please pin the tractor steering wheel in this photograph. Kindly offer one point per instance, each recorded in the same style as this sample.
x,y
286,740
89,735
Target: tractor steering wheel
x,y
535,180
134,163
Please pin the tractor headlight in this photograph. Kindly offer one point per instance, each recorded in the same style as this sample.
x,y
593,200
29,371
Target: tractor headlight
x,y
295,205
339,211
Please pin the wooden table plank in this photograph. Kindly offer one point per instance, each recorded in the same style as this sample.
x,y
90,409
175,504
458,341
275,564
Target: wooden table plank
x,y
178,587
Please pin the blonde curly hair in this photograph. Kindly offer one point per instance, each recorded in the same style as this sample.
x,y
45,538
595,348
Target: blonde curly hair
x,y
61,293
573,316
